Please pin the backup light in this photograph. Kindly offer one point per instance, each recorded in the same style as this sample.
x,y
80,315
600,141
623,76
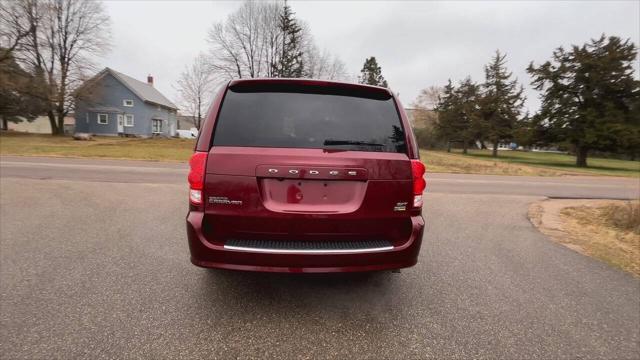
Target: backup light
x,y
419,184
195,196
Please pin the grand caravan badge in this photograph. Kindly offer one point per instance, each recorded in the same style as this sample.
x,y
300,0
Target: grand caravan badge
x,y
223,200
401,206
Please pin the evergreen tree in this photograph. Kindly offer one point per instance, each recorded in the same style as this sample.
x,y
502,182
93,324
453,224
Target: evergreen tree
x,y
289,64
446,126
501,104
590,97
629,140
22,95
458,114
371,73
528,131
468,111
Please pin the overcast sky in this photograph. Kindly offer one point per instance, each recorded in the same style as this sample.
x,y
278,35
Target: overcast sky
x,y
418,44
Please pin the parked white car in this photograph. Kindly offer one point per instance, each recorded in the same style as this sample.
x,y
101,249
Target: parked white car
x,y
188,134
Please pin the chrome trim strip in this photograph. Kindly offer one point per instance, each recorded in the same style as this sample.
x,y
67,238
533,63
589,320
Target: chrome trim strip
x,y
301,251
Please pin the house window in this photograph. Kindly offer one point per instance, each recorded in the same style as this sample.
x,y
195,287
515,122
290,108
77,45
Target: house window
x,y
103,119
128,120
128,103
156,126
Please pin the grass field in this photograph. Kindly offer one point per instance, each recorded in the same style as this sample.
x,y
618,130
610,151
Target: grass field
x,y
608,232
102,147
524,163
476,162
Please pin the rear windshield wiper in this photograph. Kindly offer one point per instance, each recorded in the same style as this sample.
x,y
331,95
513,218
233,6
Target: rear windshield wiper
x,y
330,142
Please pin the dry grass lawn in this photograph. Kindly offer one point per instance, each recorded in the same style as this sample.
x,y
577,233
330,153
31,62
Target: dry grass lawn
x,y
509,163
437,161
608,230
524,163
102,147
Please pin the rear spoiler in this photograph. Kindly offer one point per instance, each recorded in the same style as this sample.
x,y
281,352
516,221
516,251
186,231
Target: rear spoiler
x,y
310,86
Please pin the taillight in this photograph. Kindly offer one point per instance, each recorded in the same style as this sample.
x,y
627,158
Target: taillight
x,y
197,164
419,184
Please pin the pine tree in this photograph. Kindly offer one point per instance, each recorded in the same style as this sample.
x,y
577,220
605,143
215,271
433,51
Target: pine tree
x,y
458,113
22,95
588,97
446,126
501,104
371,73
629,140
468,112
289,64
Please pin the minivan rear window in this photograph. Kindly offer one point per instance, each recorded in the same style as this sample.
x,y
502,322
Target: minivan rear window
x,y
308,119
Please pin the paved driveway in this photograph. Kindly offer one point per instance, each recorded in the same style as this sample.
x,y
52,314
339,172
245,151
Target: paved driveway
x,y
93,267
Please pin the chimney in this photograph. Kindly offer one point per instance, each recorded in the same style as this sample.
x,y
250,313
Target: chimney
x,y
150,79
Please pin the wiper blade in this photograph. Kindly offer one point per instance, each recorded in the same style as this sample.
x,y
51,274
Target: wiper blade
x,y
330,142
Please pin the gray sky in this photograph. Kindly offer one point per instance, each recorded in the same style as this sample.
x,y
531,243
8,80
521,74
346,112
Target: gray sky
x,y
418,44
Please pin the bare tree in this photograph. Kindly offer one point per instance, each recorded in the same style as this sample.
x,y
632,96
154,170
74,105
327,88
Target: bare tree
x,y
272,35
323,65
79,31
225,56
249,42
195,86
424,115
428,98
14,28
63,38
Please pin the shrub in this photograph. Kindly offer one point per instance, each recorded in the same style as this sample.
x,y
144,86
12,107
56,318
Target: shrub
x,y
624,217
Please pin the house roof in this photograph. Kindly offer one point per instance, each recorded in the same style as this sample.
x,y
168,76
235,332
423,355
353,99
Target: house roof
x,y
143,90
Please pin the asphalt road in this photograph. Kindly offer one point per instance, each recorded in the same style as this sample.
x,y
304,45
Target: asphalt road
x,y
94,264
43,168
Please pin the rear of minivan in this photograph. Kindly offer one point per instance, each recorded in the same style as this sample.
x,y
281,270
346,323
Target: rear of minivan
x,y
295,175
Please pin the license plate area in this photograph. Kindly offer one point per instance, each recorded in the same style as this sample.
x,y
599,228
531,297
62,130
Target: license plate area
x,y
312,196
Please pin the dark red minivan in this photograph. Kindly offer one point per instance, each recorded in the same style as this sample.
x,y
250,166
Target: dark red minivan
x,y
293,175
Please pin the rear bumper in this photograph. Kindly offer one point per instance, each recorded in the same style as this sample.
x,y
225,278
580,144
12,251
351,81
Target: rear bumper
x,y
208,255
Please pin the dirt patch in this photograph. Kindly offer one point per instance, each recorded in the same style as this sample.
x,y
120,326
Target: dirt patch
x,y
608,230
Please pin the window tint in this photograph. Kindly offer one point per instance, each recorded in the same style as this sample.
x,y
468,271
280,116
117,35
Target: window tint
x,y
309,120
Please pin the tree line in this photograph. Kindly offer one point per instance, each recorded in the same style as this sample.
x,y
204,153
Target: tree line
x,y
265,39
48,49
590,102
258,40
590,95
